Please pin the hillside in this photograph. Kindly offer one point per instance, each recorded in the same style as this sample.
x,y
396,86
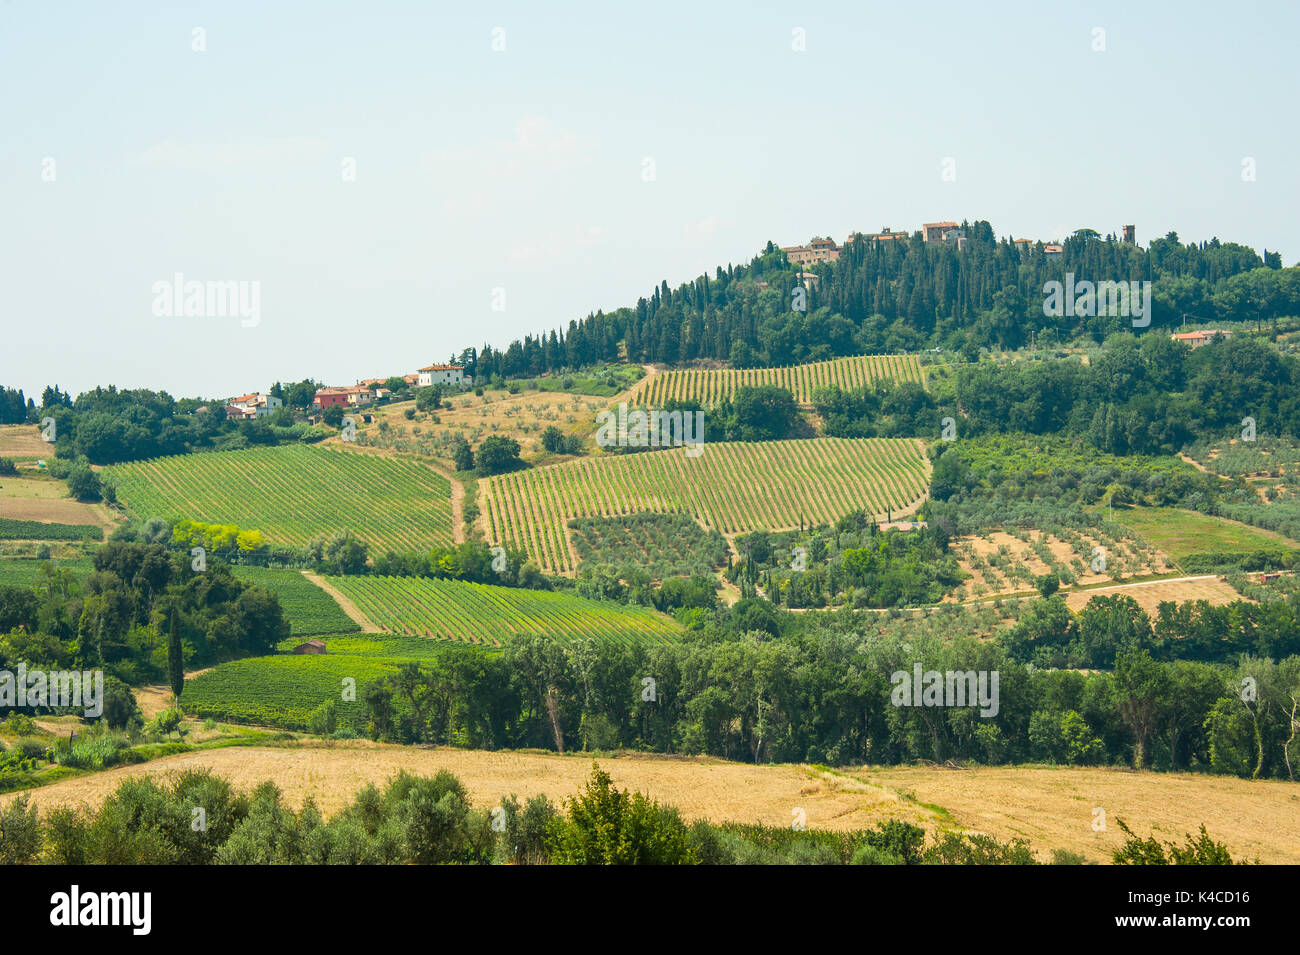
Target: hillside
x,y
708,386
485,614
294,493
732,487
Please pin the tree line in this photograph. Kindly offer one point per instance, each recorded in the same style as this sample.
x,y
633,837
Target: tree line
x,y
827,696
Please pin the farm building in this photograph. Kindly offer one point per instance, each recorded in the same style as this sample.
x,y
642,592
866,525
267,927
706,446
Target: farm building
x,y
1197,339
327,397
311,646
254,406
442,375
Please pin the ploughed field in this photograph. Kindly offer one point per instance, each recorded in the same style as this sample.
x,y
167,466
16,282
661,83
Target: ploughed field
x,y
294,493
731,487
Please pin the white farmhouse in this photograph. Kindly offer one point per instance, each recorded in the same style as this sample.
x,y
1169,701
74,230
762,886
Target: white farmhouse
x,y
253,406
442,375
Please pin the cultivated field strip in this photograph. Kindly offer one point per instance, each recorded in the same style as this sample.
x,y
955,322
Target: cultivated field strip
x,y
712,385
294,493
481,613
732,487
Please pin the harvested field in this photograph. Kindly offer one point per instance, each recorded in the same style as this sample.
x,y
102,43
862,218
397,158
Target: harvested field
x,y
1152,593
1051,807
21,441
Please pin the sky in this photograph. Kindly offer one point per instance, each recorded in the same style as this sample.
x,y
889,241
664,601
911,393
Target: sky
x,y
398,181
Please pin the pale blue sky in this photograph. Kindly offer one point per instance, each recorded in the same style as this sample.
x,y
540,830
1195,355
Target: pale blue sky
x,y
522,169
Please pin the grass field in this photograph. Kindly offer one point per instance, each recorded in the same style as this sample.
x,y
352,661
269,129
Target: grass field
x,y
1051,807
479,613
708,386
294,493
730,487
309,610
1180,533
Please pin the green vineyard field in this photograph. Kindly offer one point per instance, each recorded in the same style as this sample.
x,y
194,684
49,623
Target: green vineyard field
x,y
282,690
709,386
310,611
730,487
16,572
294,493
484,614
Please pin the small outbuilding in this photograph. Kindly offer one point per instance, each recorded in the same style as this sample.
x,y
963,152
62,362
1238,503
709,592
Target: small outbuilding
x,y
311,646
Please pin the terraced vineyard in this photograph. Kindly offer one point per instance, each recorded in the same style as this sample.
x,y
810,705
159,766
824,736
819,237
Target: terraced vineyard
x,y
709,386
294,493
481,613
731,487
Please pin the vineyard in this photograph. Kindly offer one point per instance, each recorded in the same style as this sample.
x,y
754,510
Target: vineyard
x,y
310,611
712,385
28,573
42,530
295,493
481,613
282,690
731,487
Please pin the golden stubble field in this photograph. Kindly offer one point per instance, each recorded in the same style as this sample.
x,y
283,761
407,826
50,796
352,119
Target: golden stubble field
x,y
23,441
1051,807
1150,594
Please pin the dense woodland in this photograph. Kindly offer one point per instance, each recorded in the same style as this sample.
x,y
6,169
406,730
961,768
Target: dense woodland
x,y
122,616
906,296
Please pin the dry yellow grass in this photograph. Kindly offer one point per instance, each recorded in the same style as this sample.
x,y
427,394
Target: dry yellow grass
x,y
23,441
45,499
332,773
1051,807
522,417
1151,594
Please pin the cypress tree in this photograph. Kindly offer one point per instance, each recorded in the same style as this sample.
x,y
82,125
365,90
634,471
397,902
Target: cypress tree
x,y
175,660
